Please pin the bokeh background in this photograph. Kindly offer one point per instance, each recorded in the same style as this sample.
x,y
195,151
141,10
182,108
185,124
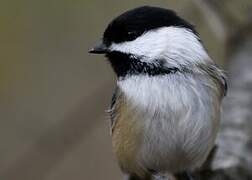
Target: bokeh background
x,y
53,94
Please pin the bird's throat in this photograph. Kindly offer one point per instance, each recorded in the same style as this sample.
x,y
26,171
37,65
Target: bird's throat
x,y
126,64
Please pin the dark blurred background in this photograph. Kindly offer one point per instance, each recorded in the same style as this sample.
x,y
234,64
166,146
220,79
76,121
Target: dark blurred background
x,y
53,94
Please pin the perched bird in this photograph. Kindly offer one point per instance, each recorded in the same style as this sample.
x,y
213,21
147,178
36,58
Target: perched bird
x,y
165,110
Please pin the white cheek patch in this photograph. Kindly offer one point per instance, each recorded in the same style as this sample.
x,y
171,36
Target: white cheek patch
x,y
145,45
175,44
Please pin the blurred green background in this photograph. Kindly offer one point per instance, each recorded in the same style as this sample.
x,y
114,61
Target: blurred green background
x,y
53,94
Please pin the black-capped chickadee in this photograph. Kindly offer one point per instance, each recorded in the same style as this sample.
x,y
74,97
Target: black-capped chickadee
x,y
165,111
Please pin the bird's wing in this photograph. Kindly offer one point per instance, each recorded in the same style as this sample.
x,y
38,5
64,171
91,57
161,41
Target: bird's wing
x,y
217,74
224,84
114,107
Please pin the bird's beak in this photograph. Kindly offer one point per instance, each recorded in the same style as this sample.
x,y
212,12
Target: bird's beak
x,y
99,48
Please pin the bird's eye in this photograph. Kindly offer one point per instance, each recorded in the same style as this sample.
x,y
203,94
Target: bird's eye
x,y
131,35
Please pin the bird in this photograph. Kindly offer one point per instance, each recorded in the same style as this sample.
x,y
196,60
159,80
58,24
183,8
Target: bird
x,y
166,106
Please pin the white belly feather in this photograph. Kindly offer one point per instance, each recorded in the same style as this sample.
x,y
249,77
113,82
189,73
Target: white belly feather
x,y
180,115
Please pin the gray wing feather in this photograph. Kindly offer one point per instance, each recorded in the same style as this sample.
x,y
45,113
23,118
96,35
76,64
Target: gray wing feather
x,y
113,108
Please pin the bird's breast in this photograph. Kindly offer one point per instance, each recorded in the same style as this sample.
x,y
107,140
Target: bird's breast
x,y
169,124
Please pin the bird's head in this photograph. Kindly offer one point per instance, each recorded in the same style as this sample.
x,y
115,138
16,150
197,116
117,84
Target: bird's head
x,y
150,40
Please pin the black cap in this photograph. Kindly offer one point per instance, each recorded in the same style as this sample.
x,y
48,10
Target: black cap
x,y
133,23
